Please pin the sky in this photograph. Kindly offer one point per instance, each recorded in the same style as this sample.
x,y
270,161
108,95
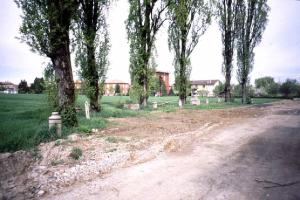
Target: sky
x,y
278,55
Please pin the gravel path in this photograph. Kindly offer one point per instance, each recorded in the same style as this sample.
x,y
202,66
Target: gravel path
x,y
256,158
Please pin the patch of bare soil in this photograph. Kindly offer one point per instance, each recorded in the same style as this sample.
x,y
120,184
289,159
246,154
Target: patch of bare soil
x,y
132,141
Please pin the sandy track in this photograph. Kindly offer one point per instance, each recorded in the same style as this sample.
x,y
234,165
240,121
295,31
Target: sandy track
x,y
235,162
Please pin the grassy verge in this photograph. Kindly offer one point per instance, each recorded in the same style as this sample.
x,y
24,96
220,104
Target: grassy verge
x,y
24,117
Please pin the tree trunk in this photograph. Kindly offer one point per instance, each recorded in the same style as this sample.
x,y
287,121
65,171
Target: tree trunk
x,y
144,100
182,69
66,88
227,88
228,65
182,83
228,47
92,79
244,93
94,104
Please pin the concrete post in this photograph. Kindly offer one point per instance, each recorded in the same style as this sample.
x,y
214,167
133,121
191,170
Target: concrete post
x,y
154,105
55,121
87,110
180,103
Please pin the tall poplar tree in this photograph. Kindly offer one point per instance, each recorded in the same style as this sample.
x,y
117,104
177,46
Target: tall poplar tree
x,y
227,15
45,28
252,21
144,20
92,47
189,20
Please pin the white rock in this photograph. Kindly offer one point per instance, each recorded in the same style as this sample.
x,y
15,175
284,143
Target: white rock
x,y
41,193
94,130
73,137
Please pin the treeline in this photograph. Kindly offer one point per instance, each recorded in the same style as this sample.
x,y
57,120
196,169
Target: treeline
x,y
47,26
37,87
265,87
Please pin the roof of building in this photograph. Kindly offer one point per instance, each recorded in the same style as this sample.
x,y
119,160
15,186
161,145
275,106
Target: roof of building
x,y
108,82
6,83
160,71
204,82
115,82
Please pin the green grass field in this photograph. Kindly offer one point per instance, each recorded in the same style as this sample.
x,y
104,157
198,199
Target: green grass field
x,y
24,117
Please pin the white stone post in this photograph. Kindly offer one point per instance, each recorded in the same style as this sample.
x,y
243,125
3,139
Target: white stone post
x,y
87,110
180,103
207,101
219,100
154,105
55,121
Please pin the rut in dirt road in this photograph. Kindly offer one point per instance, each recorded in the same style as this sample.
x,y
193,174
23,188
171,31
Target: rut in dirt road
x,y
241,161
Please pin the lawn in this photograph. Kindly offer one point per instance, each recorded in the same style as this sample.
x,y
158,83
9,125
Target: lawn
x,y
24,117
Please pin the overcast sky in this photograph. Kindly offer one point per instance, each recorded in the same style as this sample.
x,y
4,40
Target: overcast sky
x,y
278,54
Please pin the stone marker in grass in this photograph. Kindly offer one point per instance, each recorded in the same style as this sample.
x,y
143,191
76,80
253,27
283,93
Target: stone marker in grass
x,y
55,122
87,110
195,100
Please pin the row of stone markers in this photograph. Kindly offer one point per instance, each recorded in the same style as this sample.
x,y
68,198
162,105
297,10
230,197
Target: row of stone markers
x,y
196,101
55,118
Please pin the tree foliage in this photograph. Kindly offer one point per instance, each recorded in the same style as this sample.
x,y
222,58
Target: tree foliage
x,y
144,20
273,89
219,89
51,87
45,28
251,21
289,88
23,87
92,46
238,91
264,82
189,20
38,86
267,86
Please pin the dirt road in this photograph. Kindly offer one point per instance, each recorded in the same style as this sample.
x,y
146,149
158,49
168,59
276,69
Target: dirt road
x,y
254,158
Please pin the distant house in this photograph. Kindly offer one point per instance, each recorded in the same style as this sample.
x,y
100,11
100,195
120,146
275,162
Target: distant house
x,y
164,76
8,87
110,86
204,87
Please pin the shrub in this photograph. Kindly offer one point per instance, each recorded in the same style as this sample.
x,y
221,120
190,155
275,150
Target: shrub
x,y
57,162
111,150
43,134
84,129
76,153
248,100
111,139
289,88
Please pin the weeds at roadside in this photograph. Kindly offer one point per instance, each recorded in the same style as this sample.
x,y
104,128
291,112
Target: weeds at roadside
x,y
111,150
112,139
57,162
36,153
58,142
76,153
